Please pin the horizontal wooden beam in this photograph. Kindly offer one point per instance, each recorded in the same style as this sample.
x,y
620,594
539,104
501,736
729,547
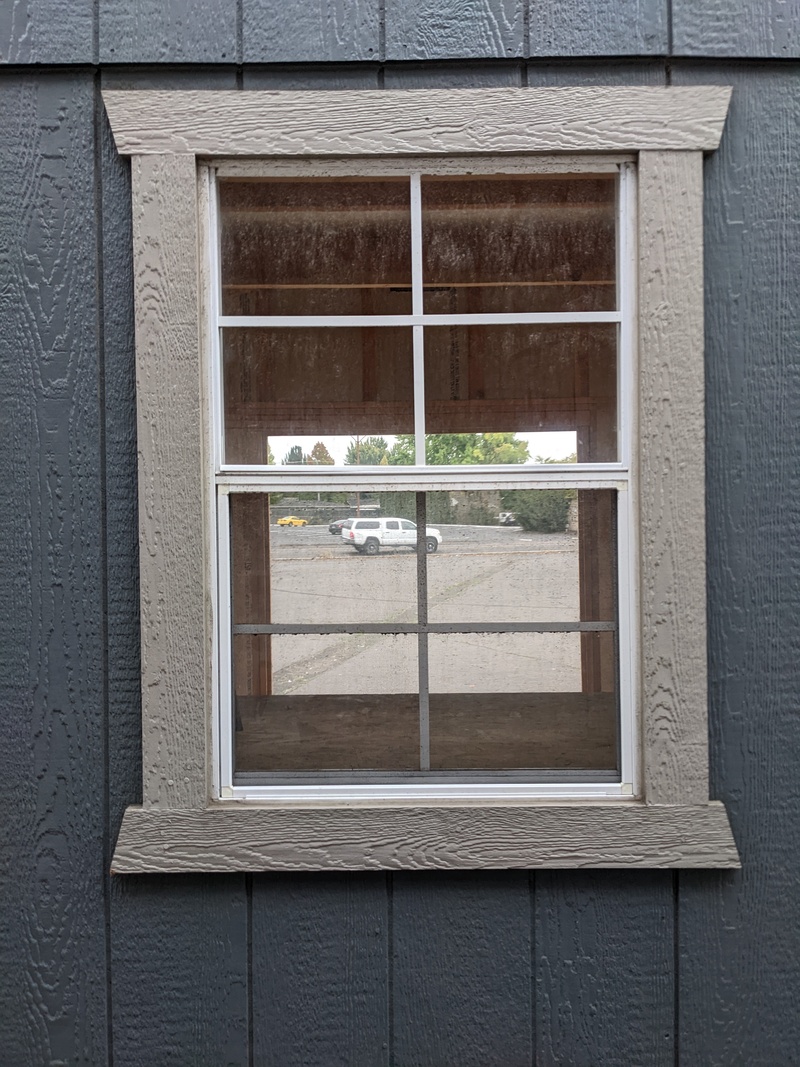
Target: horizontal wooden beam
x,y
392,837
419,122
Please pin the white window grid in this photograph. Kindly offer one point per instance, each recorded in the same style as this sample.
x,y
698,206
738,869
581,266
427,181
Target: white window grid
x,y
618,475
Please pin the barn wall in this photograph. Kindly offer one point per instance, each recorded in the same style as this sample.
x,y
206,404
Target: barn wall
x,y
581,968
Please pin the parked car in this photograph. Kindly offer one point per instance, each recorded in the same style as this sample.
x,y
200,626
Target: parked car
x,y
292,520
338,525
369,536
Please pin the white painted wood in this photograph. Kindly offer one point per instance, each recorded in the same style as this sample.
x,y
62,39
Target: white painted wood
x,y
423,122
171,512
488,319
250,838
671,477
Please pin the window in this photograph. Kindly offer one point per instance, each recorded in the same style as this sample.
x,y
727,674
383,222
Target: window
x,y
418,316
442,346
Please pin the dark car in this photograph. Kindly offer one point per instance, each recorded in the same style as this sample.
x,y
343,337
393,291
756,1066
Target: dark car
x,y
338,525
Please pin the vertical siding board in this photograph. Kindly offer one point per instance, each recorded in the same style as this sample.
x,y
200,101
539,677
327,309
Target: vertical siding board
x,y
320,970
167,31
604,969
310,31
47,31
739,935
52,943
598,28
179,971
743,29
454,29
462,970
591,72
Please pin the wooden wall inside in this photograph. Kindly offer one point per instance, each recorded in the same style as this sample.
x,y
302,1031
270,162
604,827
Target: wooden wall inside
x,y
425,969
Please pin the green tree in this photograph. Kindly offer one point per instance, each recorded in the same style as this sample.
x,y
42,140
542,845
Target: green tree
x,y
455,449
367,451
295,455
320,455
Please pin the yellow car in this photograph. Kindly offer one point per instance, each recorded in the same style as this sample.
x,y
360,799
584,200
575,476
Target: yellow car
x,y
292,520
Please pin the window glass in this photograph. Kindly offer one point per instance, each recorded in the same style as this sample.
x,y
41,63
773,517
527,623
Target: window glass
x,y
508,243
328,246
497,394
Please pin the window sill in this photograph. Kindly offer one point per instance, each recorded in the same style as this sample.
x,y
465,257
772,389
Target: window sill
x,y
227,837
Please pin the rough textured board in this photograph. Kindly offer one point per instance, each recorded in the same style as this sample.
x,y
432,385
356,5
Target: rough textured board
x,y
52,863
454,29
171,554
461,969
179,971
767,29
594,118
167,31
739,936
450,76
593,72
604,969
320,989
172,79
47,31
612,834
598,28
310,31
354,76
671,429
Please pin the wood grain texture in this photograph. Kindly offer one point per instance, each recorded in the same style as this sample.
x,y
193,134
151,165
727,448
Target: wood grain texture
x,y
598,28
451,76
52,831
167,31
47,31
310,31
320,970
171,515
594,118
461,969
612,834
746,29
179,971
604,969
671,478
330,77
540,72
454,29
739,936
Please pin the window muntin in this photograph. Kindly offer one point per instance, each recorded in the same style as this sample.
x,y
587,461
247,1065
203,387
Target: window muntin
x,y
594,413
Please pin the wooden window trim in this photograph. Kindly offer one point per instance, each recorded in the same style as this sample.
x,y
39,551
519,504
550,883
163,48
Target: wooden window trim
x,y
178,827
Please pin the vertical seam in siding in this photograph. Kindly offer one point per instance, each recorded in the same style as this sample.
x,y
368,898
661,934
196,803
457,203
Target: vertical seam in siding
x,y
532,910
248,889
390,965
676,973
101,430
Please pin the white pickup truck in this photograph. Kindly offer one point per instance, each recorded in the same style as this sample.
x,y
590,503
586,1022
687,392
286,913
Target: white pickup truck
x,y
369,536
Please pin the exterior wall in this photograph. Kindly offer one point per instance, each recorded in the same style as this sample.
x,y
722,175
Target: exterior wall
x,y
426,969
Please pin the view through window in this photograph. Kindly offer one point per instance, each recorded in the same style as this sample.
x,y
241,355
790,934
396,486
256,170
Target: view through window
x,y
423,478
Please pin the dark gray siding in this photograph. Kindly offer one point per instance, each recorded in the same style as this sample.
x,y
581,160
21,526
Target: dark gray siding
x,y
430,970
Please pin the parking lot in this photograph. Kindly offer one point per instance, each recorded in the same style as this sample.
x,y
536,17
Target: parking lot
x,y
480,574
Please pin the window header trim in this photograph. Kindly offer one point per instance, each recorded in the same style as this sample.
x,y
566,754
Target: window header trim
x,y
417,122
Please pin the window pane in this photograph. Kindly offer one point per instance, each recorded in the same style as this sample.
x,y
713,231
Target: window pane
x,y
532,555
519,381
327,702
521,700
290,564
288,389
325,246
504,244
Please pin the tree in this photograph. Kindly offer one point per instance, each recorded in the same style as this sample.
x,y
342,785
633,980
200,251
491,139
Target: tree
x,y
320,455
367,451
295,455
456,449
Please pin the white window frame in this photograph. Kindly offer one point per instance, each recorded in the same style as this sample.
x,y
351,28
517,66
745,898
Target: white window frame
x,y
669,820
617,475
